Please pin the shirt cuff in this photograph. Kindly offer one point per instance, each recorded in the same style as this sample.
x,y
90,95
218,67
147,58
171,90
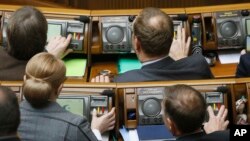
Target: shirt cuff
x,y
97,134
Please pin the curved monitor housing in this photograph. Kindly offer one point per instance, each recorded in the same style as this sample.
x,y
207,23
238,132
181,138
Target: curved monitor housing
x,y
116,34
229,29
149,105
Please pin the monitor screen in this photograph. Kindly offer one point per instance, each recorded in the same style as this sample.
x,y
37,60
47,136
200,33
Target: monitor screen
x,y
54,29
73,105
248,26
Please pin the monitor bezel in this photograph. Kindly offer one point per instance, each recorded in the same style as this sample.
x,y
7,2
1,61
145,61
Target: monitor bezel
x,y
86,102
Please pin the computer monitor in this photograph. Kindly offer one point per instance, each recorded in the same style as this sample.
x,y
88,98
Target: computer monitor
x,y
75,105
54,29
248,26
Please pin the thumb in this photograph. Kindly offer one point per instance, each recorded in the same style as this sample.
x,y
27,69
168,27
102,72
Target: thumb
x,y
67,52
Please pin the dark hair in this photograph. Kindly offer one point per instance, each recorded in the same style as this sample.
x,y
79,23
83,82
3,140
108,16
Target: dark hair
x,y
154,29
185,106
9,111
26,33
44,75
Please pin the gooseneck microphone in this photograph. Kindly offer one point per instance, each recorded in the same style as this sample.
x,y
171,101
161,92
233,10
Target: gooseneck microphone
x,y
84,19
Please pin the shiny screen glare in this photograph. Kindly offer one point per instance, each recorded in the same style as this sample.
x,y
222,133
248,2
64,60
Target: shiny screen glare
x,y
54,30
75,106
248,26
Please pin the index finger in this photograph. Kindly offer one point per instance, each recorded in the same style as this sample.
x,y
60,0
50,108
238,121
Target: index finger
x,y
179,34
221,111
210,111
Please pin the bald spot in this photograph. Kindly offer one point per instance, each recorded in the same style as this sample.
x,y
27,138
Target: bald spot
x,y
157,22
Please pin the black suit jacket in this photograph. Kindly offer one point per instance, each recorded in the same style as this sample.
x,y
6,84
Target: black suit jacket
x,y
202,136
243,69
192,67
10,67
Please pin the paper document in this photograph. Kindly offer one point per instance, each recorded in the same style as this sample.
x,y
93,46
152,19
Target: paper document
x,y
228,57
75,66
127,64
129,134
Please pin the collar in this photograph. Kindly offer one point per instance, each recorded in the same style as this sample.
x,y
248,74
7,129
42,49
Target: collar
x,y
197,133
153,61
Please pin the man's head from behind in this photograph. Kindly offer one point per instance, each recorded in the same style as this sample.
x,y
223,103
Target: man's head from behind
x,y
9,112
26,33
184,109
153,31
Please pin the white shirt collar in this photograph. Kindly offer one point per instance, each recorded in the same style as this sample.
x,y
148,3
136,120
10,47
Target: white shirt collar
x,y
153,61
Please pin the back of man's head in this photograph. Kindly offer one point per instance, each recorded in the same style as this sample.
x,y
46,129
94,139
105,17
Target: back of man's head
x,y
26,33
9,112
185,106
154,29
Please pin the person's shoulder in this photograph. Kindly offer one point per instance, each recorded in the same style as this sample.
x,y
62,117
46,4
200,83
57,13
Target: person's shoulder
x,y
245,56
53,111
217,135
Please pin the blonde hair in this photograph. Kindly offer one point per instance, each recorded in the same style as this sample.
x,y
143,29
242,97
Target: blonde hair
x,y
44,75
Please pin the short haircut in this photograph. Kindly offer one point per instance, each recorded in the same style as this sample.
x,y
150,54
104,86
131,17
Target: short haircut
x,y
154,29
9,111
44,75
26,33
185,106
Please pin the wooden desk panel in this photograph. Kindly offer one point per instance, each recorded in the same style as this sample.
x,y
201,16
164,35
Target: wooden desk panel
x,y
99,66
223,70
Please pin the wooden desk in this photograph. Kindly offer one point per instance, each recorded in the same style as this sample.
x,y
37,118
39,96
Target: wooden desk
x,y
223,70
99,66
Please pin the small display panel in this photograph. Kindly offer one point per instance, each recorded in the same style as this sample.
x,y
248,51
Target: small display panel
x,y
73,105
248,26
54,30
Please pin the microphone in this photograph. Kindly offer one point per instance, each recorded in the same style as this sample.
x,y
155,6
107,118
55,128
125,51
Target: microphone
x,y
181,17
108,93
222,89
83,19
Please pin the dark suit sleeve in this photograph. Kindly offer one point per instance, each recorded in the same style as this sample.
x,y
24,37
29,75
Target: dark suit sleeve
x,y
84,133
243,68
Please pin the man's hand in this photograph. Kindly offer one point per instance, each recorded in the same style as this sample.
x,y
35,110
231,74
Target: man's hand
x,y
216,123
58,46
101,78
103,123
180,48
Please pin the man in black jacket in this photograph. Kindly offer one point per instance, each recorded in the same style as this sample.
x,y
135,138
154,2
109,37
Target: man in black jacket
x,y
163,57
184,113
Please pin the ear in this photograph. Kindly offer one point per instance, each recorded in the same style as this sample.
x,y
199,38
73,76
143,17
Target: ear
x,y
24,77
137,45
171,126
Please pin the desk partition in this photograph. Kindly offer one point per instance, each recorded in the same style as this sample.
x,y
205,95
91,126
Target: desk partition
x,y
130,99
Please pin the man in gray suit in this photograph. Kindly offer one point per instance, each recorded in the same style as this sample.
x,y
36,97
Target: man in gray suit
x,y
162,57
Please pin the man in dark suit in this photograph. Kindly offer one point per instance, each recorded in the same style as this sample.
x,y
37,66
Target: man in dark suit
x,y
152,38
243,69
184,113
9,115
